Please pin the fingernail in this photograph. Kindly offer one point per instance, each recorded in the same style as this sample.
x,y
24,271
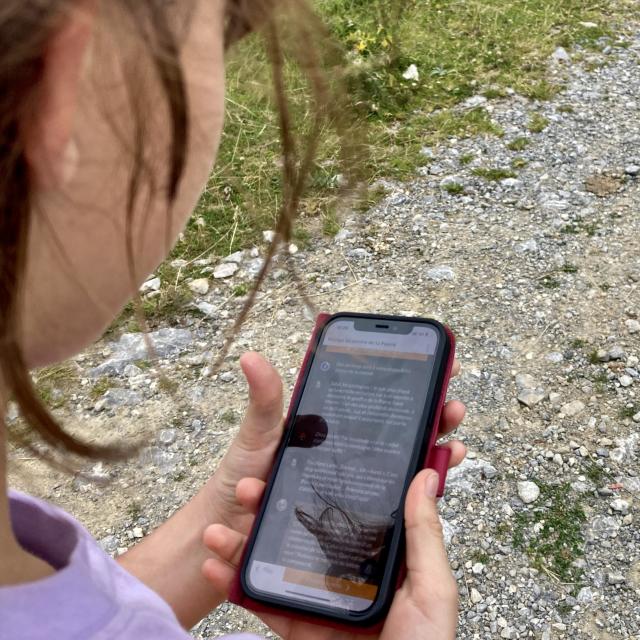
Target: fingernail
x,y
431,484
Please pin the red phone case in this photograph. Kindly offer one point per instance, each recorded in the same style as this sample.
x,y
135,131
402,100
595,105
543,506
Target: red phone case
x,y
436,457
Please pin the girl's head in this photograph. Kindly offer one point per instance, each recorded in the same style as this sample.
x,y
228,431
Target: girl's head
x,y
110,117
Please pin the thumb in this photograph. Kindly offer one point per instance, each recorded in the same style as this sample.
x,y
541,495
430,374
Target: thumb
x,y
262,423
427,563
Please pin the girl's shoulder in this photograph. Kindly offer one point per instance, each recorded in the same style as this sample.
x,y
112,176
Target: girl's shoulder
x,y
89,596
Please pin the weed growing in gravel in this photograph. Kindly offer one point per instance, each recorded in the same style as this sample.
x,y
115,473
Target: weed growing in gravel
x,y
549,282
134,510
537,123
454,188
228,416
240,290
52,382
466,158
551,534
100,387
567,267
566,108
600,380
595,473
542,90
518,144
519,163
629,411
494,174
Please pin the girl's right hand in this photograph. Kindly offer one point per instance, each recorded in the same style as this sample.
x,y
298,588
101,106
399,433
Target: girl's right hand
x,y
425,607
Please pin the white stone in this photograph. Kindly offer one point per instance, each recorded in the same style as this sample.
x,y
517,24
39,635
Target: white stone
x,y
528,491
475,596
206,308
561,55
268,235
411,73
199,286
620,505
440,273
626,381
572,409
237,257
150,285
137,532
633,326
225,270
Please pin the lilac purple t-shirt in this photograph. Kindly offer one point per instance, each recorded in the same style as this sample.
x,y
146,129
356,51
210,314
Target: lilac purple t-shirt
x,y
90,597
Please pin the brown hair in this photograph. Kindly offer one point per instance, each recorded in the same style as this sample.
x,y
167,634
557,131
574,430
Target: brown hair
x,y
25,27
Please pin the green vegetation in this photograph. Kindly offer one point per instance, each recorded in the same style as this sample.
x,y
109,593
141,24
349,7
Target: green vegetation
x,y
454,188
549,282
567,267
518,144
595,473
100,387
494,174
537,123
53,382
559,540
519,163
466,158
459,49
629,412
241,290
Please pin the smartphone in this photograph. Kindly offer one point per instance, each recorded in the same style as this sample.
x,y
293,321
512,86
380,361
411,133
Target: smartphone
x,y
328,538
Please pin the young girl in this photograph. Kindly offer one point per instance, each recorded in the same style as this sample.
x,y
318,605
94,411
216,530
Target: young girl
x,y
110,116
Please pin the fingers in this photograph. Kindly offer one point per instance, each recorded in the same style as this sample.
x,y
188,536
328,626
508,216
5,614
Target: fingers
x,y
262,424
427,562
452,415
219,574
458,452
226,543
249,493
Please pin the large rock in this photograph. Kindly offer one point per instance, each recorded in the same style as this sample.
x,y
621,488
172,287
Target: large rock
x,y
132,346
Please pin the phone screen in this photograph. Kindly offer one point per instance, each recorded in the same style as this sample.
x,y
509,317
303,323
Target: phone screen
x,y
336,497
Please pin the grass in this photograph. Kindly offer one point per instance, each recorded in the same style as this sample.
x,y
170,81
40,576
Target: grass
x,y
629,412
518,144
559,541
100,387
459,48
537,123
53,382
596,473
454,188
494,174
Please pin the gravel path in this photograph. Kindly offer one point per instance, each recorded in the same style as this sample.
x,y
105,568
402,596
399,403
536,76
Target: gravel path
x,y
538,274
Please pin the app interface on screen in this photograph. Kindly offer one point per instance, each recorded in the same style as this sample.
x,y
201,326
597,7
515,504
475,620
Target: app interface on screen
x,y
336,497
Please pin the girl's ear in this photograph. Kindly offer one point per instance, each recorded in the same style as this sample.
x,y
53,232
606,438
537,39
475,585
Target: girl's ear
x,y
47,133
